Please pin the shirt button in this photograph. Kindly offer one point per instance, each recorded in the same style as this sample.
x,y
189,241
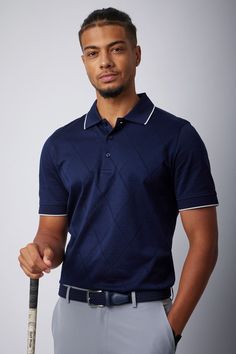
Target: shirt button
x,y
108,154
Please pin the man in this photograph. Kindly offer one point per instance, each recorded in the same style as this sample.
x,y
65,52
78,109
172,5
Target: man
x,y
116,179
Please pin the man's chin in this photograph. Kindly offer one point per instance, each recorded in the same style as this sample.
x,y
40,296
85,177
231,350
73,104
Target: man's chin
x,y
111,93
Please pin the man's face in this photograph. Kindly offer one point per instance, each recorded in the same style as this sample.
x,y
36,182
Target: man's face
x,y
110,59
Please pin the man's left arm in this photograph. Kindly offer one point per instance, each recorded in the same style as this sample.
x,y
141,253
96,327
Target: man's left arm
x,y
200,226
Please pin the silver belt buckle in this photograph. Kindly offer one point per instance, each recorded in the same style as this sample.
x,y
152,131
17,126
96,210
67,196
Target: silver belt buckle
x,y
88,298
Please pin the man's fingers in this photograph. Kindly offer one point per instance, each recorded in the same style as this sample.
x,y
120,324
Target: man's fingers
x,y
29,274
29,266
32,261
33,258
48,257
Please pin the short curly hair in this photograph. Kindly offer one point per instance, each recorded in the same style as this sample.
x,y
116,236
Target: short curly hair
x,y
109,16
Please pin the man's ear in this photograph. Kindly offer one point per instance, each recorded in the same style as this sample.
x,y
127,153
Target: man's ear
x,y
138,55
82,57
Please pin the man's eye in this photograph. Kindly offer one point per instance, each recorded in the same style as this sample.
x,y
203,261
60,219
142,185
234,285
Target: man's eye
x,y
91,54
118,49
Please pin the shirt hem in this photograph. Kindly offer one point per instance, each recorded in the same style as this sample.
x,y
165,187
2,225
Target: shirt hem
x,y
44,214
199,207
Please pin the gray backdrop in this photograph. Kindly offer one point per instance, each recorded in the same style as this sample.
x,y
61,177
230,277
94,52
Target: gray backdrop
x,y
188,68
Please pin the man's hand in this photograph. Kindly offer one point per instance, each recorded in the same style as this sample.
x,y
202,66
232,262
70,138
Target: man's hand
x,y
35,262
47,249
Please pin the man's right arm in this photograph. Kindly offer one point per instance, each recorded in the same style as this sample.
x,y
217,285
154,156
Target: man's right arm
x,y
47,249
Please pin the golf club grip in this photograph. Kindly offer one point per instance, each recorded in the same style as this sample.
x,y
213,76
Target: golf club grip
x,y
32,316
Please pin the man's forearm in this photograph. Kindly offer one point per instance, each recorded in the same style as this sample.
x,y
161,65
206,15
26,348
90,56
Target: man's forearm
x,y
197,269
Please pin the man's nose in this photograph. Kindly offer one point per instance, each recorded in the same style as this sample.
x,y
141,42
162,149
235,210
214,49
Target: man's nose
x,y
105,60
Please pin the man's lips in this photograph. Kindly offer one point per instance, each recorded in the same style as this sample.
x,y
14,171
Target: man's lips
x,y
107,77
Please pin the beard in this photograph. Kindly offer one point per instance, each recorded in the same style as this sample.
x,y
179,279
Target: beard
x,y
111,93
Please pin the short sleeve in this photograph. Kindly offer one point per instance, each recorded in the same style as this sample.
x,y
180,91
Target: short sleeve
x,y
194,185
53,196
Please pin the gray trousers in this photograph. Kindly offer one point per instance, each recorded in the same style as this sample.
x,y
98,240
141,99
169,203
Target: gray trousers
x,y
80,329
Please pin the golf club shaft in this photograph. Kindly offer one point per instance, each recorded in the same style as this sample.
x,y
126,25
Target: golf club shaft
x,y
32,316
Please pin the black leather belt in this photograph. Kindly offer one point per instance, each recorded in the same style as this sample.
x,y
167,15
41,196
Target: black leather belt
x,y
100,298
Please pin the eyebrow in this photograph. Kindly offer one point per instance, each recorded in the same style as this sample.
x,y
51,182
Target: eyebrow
x,y
109,45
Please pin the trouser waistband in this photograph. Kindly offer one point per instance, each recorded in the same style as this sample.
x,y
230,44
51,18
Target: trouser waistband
x,y
100,298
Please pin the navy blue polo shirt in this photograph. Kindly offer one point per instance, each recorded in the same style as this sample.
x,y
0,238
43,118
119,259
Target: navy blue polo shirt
x,y
122,189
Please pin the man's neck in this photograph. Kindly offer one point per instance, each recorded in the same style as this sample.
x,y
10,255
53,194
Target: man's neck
x,y
117,107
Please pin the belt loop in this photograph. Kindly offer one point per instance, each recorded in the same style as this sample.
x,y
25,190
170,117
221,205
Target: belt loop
x,y
133,297
107,298
172,294
68,294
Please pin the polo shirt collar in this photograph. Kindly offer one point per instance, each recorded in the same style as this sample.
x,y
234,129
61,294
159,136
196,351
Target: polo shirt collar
x,y
141,113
